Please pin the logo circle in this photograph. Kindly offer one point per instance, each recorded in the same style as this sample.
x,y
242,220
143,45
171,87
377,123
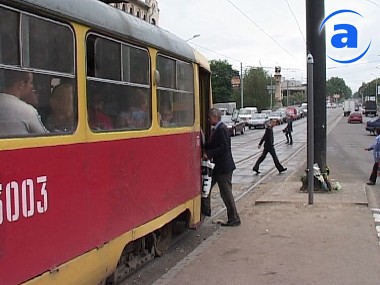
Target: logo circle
x,y
359,46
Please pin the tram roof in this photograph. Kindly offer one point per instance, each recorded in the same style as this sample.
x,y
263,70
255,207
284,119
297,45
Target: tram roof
x,y
99,15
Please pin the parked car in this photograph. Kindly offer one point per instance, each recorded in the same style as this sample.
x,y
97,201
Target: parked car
x,y
246,114
355,117
282,110
258,121
266,111
372,125
276,117
234,125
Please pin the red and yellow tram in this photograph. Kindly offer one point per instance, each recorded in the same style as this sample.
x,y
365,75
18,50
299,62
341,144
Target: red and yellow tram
x,y
101,184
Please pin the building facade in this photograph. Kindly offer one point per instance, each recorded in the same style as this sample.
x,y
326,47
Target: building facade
x,y
146,10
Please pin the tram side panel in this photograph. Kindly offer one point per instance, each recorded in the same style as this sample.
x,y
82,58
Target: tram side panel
x,y
59,202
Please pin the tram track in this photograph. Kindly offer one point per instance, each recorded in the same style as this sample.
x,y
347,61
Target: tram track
x,y
179,247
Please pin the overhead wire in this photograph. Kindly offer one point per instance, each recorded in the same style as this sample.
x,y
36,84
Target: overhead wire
x,y
244,63
262,30
295,18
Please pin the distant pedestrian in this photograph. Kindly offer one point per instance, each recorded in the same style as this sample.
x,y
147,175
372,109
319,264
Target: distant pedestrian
x,y
375,147
218,149
288,130
268,141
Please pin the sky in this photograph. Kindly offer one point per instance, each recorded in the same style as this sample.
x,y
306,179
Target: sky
x,y
269,33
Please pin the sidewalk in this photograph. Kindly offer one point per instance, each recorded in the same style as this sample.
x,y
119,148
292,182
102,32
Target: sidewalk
x,y
283,240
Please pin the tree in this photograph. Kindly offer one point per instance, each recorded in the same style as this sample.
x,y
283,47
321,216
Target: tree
x,y
368,89
255,88
336,85
221,75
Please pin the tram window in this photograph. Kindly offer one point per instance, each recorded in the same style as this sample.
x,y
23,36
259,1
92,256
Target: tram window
x,y
180,105
52,100
125,103
118,107
47,45
185,80
9,37
176,91
167,69
135,65
107,58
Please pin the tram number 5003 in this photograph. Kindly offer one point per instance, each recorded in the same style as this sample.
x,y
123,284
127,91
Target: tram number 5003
x,y
14,194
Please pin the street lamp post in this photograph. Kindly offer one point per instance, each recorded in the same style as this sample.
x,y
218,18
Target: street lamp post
x,y
287,93
193,37
376,88
241,86
271,92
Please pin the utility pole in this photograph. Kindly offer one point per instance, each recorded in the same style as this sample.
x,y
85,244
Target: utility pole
x,y
287,93
376,91
271,93
241,85
310,129
316,46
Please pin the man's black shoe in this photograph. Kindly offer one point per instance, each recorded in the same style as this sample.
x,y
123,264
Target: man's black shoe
x,y
291,143
256,170
282,170
371,183
234,223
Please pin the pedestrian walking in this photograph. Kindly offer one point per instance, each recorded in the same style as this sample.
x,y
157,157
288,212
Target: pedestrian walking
x,y
218,149
288,130
268,141
375,147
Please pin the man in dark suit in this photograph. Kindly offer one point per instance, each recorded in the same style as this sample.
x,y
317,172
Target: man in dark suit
x,y
268,141
288,130
218,149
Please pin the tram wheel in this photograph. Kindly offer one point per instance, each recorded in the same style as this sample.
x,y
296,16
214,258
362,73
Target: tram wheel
x,y
162,239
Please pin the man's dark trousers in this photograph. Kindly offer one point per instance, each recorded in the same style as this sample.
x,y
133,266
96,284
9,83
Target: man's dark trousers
x,y
225,187
274,156
289,138
373,176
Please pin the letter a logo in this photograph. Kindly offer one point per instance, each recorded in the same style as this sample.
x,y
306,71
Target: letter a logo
x,y
345,45
348,39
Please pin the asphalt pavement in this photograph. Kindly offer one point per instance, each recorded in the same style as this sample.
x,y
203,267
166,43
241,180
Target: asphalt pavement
x,y
285,240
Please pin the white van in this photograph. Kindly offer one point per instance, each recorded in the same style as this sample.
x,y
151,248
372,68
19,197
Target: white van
x,y
223,111
246,114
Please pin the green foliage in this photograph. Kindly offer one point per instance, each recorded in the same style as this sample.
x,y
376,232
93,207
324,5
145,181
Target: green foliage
x,y
222,73
294,99
336,85
255,88
368,89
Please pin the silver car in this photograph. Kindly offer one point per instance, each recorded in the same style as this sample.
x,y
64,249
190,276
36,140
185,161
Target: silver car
x,y
258,121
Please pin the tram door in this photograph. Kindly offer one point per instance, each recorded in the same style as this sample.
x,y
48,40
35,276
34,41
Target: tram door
x,y
205,97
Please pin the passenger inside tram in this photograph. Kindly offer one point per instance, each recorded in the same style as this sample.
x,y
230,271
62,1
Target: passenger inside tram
x,y
136,116
62,117
98,119
18,118
166,115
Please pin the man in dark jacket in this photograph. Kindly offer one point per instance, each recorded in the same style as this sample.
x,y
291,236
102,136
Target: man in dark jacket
x,y
268,141
218,149
288,130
